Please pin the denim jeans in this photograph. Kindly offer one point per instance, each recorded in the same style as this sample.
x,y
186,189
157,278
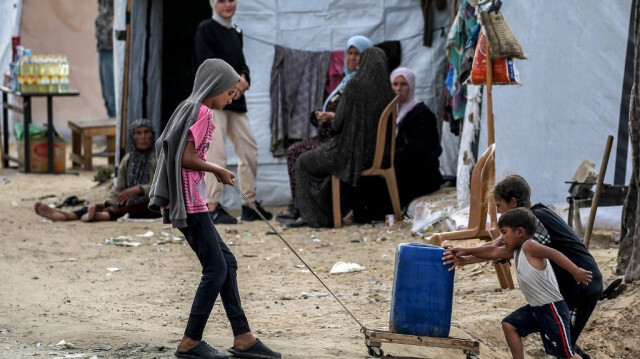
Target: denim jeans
x,y
219,267
107,83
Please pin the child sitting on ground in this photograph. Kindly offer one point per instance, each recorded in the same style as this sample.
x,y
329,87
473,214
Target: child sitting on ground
x,y
546,311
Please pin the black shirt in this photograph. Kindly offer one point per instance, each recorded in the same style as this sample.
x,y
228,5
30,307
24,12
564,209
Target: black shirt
x,y
557,234
416,157
216,41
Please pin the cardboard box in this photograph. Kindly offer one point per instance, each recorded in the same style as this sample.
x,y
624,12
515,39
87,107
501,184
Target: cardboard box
x,y
39,161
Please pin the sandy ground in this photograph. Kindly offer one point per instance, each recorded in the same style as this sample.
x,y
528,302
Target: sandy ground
x,y
55,285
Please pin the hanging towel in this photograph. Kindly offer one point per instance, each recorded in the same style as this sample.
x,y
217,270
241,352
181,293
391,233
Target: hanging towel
x,y
297,86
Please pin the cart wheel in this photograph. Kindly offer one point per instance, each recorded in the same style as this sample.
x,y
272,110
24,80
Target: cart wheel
x,y
376,351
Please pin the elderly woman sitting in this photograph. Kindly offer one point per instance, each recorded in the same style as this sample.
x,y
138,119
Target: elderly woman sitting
x,y
351,149
322,119
131,193
417,141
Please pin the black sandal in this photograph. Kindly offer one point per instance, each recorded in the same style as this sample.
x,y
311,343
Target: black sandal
x,y
201,350
256,351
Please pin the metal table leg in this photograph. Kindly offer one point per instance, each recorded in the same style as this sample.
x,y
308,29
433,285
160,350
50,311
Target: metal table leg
x,y
5,130
27,122
50,136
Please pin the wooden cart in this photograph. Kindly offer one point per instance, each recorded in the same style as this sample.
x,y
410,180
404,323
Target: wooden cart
x,y
374,339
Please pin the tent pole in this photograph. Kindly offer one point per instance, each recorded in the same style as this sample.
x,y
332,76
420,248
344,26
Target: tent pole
x,y
490,132
490,128
125,82
596,195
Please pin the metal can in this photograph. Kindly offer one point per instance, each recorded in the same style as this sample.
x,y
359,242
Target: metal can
x,y
389,220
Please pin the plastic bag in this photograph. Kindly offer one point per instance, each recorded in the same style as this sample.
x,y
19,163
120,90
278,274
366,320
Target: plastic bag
x,y
504,70
503,41
35,131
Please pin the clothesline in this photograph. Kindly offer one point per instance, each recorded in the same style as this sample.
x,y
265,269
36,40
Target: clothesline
x,y
442,29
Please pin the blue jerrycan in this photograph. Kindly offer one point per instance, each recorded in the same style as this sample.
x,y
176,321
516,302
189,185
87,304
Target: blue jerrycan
x,y
422,292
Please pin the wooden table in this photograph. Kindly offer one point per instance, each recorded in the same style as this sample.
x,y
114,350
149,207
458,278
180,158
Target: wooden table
x,y
25,110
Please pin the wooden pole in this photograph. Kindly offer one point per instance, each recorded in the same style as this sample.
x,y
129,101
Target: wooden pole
x,y
125,82
490,129
596,195
490,132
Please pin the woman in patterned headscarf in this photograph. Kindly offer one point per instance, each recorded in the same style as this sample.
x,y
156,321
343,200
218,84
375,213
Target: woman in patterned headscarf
x,y
131,192
322,119
351,149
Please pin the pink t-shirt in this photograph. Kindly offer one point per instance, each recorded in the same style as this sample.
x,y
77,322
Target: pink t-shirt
x,y
193,185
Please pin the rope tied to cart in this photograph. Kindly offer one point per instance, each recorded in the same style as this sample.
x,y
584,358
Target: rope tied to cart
x,y
362,327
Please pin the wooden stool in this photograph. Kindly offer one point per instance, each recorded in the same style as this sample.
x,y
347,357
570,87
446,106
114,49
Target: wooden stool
x,y
82,141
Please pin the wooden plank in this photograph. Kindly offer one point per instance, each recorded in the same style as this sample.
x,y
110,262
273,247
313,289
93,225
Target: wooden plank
x,y
450,343
103,154
94,123
433,342
76,158
99,131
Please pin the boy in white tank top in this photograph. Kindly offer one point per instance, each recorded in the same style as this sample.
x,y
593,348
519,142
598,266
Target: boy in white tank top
x,y
546,311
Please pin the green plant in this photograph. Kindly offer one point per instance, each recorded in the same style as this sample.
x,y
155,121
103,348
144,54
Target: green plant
x,y
103,175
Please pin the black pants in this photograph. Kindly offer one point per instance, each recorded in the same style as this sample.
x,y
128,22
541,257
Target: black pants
x,y
138,210
581,309
219,267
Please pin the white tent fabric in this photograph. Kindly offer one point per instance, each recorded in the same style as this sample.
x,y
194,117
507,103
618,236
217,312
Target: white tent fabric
x,y
9,16
569,102
571,94
326,25
319,25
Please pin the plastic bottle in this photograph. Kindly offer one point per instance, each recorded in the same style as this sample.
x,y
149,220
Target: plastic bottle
x,y
13,66
54,84
19,68
19,53
25,72
29,72
39,73
64,74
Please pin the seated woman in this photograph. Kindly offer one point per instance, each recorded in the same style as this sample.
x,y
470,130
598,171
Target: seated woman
x,y
352,147
131,193
322,119
417,141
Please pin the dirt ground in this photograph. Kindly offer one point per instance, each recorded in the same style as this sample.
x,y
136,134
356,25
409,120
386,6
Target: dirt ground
x,y
58,283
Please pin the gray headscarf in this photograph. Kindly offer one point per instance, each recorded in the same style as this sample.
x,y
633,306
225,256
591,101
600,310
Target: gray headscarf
x,y
228,23
213,77
139,161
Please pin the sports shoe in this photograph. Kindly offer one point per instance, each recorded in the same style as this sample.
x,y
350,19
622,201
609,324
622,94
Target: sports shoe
x,y
221,216
249,215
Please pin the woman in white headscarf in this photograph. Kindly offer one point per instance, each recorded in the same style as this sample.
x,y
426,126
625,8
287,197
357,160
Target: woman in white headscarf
x,y
417,141
322,119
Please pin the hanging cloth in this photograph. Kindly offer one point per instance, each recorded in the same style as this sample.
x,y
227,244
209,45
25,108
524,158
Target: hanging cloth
x,y
427,7
297,87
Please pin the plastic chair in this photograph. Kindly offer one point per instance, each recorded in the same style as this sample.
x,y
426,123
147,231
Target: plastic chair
x,y
481,203
390,113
